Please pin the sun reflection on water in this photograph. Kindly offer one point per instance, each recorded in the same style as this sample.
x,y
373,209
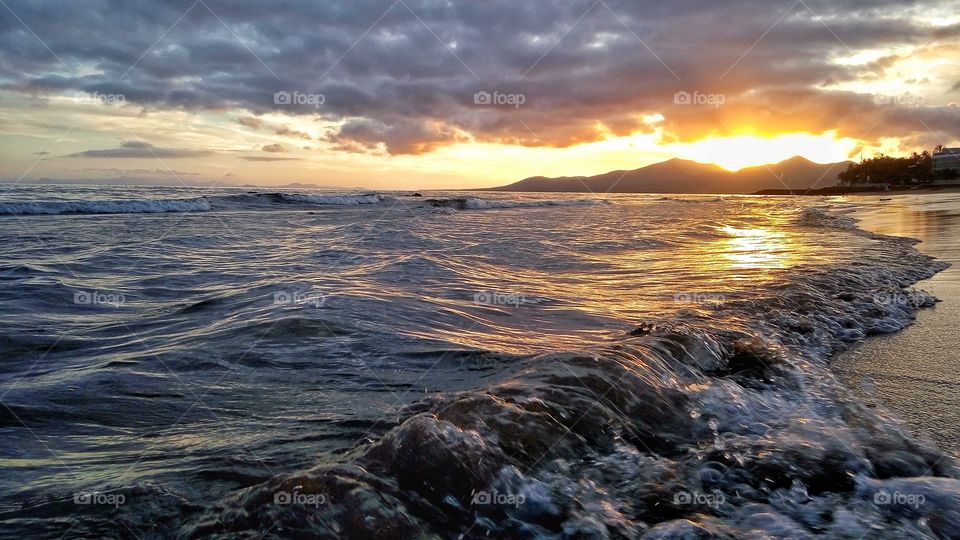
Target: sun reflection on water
x,y
757,248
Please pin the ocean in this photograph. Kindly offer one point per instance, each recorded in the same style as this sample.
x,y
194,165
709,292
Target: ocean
x,y
253,363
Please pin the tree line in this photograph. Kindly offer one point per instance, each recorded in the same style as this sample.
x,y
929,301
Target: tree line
x,y
915,168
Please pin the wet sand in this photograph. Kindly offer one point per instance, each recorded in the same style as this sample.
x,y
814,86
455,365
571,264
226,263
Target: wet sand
x,y
916,373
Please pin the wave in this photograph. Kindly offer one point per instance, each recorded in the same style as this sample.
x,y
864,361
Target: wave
x,y
258,200
712,424
692,199
251,200
263,201
130,206
476,203
813,216
369,198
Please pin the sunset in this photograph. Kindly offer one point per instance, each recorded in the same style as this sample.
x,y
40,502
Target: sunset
x,y
382,93
444,269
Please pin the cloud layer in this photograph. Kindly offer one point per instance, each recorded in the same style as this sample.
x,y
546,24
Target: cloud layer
x,y
140,149
410,76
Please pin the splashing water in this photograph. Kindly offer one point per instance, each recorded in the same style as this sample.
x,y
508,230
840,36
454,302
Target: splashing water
x,y
374,365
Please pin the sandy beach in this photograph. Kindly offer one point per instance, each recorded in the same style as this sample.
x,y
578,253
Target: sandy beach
x,y
916,372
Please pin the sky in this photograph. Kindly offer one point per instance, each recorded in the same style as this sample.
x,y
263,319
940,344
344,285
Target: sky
x,y
420,94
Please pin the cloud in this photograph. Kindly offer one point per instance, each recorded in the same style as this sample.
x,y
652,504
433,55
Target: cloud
x,y
273,148
586,70
140,149
288,132
136,144
269,158
258,123
250,121
155,172
397,137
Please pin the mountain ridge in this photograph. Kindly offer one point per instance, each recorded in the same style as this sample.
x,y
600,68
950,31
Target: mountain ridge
x,y
686,176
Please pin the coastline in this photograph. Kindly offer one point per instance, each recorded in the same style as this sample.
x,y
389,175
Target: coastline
x,y
915,373
863,192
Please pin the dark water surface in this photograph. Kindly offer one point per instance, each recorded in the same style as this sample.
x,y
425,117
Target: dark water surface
x,y
228,364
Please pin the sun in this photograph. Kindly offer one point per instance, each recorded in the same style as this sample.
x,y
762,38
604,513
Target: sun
x,y
736,152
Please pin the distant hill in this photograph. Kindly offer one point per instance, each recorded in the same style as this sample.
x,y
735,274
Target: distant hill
x,y
684,176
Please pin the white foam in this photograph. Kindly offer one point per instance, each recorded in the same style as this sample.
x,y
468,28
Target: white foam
x,y
813,216
369,198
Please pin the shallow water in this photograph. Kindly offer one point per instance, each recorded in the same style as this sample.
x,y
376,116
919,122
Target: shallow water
x,y
916,373
485,365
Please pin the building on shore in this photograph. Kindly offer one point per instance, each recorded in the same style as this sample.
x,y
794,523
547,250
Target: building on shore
x,y
946,163
941,168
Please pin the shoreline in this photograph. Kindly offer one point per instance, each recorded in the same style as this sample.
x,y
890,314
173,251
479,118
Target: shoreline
x,y
915,373
864,191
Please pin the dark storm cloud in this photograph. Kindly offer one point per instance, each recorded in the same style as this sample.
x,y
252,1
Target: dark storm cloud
x,y
140,149
405,76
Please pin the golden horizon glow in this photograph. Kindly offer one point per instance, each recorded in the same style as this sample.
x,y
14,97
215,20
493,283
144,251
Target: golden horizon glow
x,y
463,165
741,151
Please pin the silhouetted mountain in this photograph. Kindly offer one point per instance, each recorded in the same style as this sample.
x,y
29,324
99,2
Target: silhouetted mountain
x,y
684,176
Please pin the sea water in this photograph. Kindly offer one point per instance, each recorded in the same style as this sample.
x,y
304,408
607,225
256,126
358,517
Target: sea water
x,y
244,362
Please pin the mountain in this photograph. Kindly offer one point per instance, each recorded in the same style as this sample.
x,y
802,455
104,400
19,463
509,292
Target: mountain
x,y
684,176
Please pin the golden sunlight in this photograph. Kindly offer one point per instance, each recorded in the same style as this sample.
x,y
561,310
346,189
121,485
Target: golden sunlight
x,y
756,248
737,152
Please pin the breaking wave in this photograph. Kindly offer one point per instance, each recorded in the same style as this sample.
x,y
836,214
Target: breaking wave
x,y
265,201
813,216
476,203
702,419
717,423
252,200
369,198
132,206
